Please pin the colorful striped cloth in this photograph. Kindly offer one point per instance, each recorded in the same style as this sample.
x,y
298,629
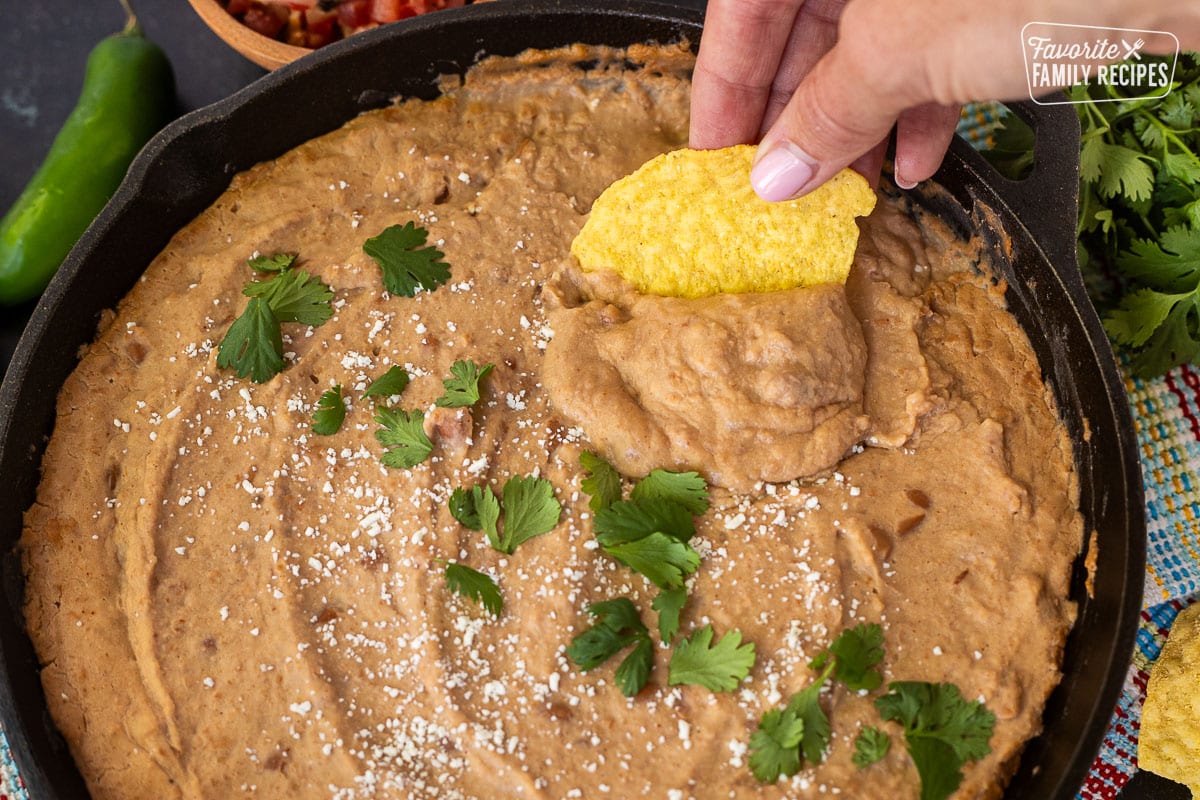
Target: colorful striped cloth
x,y
1166,414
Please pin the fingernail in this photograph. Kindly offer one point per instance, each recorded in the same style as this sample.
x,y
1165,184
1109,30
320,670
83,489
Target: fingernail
x,y
782,172
903,184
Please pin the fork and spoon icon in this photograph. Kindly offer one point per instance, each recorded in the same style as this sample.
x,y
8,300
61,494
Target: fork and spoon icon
x,y
1132,50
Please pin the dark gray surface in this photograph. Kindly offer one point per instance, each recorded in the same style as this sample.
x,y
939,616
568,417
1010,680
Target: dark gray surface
x,y
41,73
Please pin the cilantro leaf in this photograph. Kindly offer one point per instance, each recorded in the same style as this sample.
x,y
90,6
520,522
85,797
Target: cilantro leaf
x,y
775,746
806,705
597,644
603,482
1185,167
295,296
403,434
719,667
276,263
634,670
475,585
529,510
408,266
253,345
462,390
855,653
330,413
1012,150
1170,264
870,745
1116,169
687,489
529,506
462,508
630,520
1173,341
389,383
668,604
665,561
487,508
618,614
811,742
938,768
1140,315
618,625
941,729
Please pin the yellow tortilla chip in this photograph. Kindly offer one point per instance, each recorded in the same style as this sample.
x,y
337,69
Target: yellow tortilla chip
x,y
687,224
1169,743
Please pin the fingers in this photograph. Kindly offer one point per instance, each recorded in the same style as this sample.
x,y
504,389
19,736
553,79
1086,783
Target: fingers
x,y
870,163
891,56
813,34
740,54
922,135
834,117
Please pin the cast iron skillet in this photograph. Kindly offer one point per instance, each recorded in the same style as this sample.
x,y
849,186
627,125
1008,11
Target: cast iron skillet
x,y
188,165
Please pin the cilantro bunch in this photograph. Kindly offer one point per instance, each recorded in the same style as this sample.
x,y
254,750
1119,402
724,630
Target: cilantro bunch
x,y
651,534
1139,213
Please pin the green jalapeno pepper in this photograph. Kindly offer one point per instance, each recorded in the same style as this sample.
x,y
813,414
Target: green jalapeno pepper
x,y
128,95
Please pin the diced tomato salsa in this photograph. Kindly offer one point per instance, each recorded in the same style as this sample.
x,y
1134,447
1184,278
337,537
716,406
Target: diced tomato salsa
x,y
312,23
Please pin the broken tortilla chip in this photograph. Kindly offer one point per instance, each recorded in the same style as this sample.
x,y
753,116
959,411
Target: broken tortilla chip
x,y
1169,742
688,224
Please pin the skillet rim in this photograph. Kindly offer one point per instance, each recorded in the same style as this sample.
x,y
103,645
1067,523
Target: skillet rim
x,y
67,286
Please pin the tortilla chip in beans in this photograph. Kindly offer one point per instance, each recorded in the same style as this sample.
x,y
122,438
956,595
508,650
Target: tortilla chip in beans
x,y
688,224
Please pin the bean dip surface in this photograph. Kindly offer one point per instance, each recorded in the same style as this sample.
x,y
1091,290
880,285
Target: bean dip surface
x,y
228,605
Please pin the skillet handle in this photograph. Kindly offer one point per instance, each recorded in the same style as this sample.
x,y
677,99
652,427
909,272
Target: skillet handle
x,y
1048,198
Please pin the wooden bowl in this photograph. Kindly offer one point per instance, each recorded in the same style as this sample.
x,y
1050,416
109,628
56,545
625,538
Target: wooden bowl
x,y
262,50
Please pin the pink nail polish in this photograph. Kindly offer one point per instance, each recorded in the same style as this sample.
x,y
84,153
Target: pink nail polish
x,y
782,172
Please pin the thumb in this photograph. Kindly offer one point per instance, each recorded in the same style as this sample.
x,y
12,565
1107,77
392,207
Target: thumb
x,y
838,112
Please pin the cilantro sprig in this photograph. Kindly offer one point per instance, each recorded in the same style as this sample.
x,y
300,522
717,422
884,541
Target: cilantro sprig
x,y
408,265
942,731
529,506
272,263
775,746
852,658
403,434
870,746
650,532
718,667
474,585
462,387
330,413
618,625
854,654
603,482
669,604
253,345
294,296
390,383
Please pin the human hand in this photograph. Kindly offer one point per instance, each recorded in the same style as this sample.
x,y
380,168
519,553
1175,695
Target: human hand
x,y
822,82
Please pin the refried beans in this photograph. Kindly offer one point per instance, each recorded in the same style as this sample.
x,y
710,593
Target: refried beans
x,y
228,605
